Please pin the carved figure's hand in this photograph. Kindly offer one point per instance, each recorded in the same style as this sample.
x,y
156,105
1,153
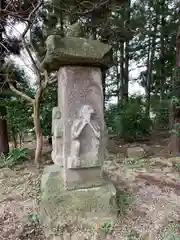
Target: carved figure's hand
x,y
96,130
77,128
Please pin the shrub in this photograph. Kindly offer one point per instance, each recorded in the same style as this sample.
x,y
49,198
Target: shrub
x,y
14,157
161,112
129,121
110,114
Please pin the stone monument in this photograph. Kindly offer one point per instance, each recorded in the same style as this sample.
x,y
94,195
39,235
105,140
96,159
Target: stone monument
x,y
75,193
57,134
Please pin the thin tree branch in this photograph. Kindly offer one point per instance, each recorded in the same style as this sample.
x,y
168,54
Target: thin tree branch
x,y
31,57
28,27
95,7
29,99
29,18
46,79
52,81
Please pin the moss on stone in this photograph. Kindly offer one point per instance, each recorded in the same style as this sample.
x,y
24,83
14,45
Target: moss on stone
x,y
86,207
75,51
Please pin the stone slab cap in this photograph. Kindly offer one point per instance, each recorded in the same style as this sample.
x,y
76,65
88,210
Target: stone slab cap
x,y
75,51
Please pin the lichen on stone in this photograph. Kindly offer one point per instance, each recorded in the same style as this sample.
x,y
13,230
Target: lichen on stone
x,y
75,51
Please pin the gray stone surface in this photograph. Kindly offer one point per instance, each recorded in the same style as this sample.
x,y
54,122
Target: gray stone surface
x,y
82,208
74,193
75,30
57,134
81,100
135,152
75,51
85,135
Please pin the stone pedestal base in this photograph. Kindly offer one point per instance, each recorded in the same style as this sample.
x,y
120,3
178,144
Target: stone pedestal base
x,y
83,208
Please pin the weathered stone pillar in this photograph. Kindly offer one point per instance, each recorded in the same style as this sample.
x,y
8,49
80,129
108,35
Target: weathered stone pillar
x,y
83,123
76,191
57,134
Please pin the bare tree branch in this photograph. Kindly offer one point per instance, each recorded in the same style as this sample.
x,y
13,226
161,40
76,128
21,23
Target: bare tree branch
x,y
46,79
29,20
15,11
52,81
35,67
23,95
83,4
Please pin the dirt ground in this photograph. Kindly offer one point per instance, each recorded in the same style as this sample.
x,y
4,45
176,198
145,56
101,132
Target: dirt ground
x,y
148,193
19,202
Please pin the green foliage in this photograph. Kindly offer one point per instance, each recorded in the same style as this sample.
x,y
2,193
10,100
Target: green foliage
x,y
133,235
49,100
161,112
106,228
34,219
110,115
19,111
129,121
2,160
14,157
176,131
19,116
177,166
171,232
175,100
130,30
123,201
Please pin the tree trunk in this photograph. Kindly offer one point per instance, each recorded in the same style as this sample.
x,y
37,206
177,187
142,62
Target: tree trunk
x,y
118,76
20,139
162,57
104,86
4,143
126,60
38,131
126,72
150,68
122,69
174,144
178,47
62,24
93,28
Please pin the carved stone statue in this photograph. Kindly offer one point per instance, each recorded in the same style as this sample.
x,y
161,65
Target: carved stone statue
x,y
56,126
76,30
56,136
78,126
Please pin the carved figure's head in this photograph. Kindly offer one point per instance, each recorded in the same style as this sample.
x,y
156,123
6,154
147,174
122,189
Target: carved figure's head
x,y
86,111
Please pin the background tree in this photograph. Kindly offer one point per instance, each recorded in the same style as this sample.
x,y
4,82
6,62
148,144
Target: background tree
x,y
19,112
174,145
49,100
28,18
141,35
19,119
7,45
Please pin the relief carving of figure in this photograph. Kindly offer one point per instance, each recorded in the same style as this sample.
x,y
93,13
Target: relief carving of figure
x,y
79,124
56,136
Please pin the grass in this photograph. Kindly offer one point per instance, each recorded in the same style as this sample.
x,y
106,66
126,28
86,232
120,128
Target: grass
x,y
171,232
34,218
133,235
106,228
123,201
